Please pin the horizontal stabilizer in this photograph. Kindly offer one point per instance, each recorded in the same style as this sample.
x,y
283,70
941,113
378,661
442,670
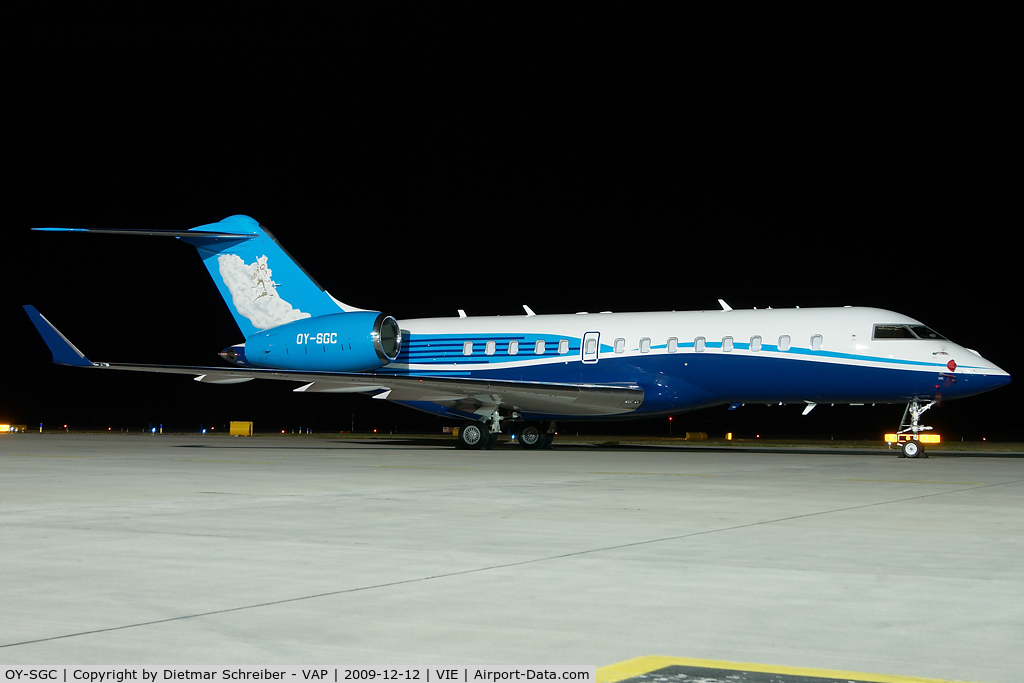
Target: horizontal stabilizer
x,y
64,352
196,237
262,285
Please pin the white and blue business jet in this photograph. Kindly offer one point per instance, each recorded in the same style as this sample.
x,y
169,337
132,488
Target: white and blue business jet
x,y
526,372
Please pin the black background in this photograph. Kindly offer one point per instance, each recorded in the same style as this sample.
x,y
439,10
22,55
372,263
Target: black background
x,y
418,161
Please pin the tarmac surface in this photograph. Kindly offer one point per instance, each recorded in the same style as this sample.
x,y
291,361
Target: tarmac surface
x,y
283,550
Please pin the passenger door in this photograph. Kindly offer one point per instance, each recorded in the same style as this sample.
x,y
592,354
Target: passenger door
x,y
591,346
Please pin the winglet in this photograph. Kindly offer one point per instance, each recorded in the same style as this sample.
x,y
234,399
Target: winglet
x,y
725,306
64,352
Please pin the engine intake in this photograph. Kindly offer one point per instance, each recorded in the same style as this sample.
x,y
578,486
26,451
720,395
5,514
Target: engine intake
x,y
387,338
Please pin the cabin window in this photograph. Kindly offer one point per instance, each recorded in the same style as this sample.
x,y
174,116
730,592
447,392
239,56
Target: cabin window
x,y
489,349
699,343
467,349
563,346
892,332
645,345
538,348
816,342
513,347
784,342
726,344
620,345
673,344
591,346
755,343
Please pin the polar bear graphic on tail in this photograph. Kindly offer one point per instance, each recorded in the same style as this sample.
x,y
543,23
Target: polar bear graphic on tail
x,y
254,292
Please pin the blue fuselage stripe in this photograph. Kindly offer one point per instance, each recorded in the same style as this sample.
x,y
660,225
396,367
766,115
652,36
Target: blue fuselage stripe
x,y
687,381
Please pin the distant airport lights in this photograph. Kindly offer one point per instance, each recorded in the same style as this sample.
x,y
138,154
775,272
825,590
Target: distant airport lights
x,y
12,429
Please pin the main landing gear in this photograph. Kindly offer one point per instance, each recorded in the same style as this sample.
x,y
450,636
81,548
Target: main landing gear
x,y
473,436
910,430
531,435
484,434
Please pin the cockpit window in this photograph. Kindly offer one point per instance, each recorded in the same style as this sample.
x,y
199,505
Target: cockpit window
x,y
923,332
905,332
893,332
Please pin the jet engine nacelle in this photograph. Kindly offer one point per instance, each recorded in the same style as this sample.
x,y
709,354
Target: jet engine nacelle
x,y
340,342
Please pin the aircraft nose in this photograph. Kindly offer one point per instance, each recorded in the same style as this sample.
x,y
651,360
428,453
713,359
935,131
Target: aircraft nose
x,y
999,376
994,377
976,373
969,359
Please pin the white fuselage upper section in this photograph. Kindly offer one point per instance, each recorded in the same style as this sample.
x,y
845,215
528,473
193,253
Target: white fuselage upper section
x,y
832,335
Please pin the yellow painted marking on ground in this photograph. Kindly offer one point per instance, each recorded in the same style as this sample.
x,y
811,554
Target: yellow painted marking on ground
x,y
642,665
660,474
915,481
424,467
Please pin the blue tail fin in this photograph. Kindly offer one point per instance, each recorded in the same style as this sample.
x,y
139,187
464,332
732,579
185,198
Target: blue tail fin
x,y
260,282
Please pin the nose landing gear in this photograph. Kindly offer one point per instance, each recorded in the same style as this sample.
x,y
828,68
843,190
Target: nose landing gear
x,y
912,447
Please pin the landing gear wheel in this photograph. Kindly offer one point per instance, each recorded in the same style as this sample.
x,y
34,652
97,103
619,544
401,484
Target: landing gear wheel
x,y
912,449
531,436
472,437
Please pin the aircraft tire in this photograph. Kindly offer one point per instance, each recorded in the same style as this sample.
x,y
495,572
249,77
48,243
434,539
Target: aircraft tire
x,y
531,436
912,449
472,437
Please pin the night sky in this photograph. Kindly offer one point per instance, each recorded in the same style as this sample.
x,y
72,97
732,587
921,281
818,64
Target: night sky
x,y
418,161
